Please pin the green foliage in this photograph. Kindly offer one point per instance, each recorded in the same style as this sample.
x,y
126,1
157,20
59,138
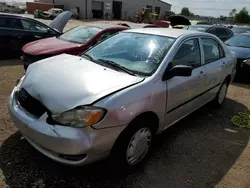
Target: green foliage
x,y
243,16
185,11
233,13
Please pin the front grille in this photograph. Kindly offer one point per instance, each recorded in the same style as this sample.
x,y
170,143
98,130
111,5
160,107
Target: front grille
x,y
28,59
31,58
30,104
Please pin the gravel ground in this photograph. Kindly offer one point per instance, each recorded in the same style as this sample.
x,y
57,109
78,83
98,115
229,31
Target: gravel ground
x,y
196,152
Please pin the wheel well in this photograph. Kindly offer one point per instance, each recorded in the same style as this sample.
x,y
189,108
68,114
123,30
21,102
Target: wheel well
x,y
228,79
150,117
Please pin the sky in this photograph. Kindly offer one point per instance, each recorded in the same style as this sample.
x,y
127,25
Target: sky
x,y
213,8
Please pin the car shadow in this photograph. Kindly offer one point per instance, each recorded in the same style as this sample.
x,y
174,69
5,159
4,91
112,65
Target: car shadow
x,y
196,152
239,84
10,62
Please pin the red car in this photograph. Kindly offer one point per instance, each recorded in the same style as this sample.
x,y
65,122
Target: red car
x,y
74,41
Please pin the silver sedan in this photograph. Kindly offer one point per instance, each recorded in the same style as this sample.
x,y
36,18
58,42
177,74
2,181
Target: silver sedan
x,y
117,96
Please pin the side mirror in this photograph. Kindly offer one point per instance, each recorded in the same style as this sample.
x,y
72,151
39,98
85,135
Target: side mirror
x,y
178,70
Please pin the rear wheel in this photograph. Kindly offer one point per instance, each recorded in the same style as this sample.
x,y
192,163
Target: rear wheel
x,y
221,95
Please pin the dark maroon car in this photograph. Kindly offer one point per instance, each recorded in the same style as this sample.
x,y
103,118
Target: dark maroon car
x,y
74,41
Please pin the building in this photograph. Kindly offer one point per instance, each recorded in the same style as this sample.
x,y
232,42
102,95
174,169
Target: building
x,y
120,9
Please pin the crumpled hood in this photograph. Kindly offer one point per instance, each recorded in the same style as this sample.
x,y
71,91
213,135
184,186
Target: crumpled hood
x,y
239,52
64,82
50,45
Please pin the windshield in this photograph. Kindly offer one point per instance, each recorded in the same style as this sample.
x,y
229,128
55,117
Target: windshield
x,y
240,41
138,53
80,34
197,28
240,30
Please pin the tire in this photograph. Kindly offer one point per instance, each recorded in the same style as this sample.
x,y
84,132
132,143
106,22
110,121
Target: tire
x,y
221,95
133,146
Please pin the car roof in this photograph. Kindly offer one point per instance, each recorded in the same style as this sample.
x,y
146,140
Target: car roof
x,y
107,26
242,27
7,15
175,33
246,34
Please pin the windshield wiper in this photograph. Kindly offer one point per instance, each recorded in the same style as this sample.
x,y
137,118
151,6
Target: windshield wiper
x,y
244,46
89,57
115,65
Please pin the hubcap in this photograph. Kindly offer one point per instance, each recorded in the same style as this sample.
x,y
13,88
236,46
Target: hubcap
x,y
138,146
222,93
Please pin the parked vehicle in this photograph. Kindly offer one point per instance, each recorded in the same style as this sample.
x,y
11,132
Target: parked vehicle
x,y
222,32
51,13
137,26
16,31
10,8
238,30
119,94
240,46
177,20
74,41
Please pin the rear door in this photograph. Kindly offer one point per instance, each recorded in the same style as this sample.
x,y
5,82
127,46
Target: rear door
x,y
185,93
214,64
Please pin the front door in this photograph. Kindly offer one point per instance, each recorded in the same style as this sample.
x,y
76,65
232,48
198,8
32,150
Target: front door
x,y
183,93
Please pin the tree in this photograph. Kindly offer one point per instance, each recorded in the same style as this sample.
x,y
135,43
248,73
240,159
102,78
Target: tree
x,y
185,11
233,13
243,16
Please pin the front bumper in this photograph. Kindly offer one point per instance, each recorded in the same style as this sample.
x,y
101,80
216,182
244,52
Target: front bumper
x,y
67,145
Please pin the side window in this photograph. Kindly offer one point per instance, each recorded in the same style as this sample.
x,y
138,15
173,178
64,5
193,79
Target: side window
x,y
228,32
3,22
221,32
188,54
212,50
31,26
213,31
13,23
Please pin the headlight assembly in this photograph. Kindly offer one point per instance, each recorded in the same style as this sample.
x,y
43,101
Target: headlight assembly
x,y
80,117
247,61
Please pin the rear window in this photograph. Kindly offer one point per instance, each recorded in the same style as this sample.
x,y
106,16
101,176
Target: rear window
x,y
239,30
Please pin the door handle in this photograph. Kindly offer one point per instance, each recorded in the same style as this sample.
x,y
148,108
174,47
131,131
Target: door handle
x,y
201,72
18,36
224,63
38,37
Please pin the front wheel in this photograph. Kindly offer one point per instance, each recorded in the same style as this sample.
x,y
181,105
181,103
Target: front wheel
x,y
221,95
133,146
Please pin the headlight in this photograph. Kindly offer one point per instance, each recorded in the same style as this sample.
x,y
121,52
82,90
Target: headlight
x,y
80,116
247,61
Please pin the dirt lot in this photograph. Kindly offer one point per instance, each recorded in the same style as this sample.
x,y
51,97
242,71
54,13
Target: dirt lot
x,y
203,150
197,152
